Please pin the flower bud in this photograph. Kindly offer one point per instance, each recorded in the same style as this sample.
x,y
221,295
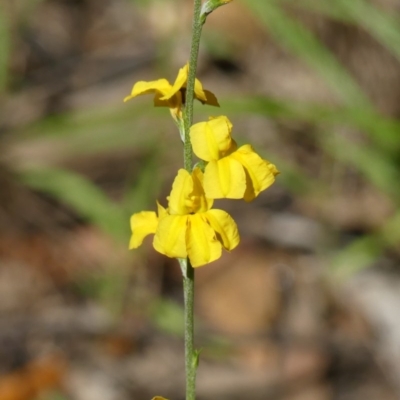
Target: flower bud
x,y
209,6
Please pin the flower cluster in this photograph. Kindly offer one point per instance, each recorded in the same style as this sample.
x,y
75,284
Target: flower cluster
x,y
189,227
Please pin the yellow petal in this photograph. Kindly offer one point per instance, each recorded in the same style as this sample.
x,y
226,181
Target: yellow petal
x,y
224,178
222,128
180,194
142,225
158,102
159,398
161,211
203,203
219,120
260,174
211,99
202,244
179,83
273,168
161,85
199,91
170,237
212,138
203,146
225,226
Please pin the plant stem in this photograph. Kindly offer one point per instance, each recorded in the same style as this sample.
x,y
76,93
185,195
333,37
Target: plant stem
x,y
194,53
191,357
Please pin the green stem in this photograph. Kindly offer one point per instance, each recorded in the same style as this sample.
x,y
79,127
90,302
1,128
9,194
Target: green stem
x,y
191,357
190,354
194,53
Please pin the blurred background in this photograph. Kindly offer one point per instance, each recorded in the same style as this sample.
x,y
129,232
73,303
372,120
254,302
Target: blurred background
x,y
306,308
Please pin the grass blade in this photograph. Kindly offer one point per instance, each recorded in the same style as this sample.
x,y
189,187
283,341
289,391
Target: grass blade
x,y
82,195
382,26
383,131
4,48
301,42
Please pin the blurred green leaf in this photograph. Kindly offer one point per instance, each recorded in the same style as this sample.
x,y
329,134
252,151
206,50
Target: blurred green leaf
x,y
391,230
217,45
144,190
83,196
380,129
144,3
376,166
4,48
363,252
52,395
358,255
326,8
374,163
291,34
378,23
168,316
385,27
90,132
104,119
301,42
108,287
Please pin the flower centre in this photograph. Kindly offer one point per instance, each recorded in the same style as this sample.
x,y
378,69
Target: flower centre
x,y
192,203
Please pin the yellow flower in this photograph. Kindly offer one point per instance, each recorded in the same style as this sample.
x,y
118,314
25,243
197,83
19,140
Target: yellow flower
x,y
231,172
173,96
159,398
188,227
144,224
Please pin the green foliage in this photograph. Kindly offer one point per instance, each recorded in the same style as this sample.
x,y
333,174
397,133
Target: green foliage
x,y
376,166
378,23
381,130
141,194
301,42
168,316
366,250
91,202
107,287
52,395
81,194
4,49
